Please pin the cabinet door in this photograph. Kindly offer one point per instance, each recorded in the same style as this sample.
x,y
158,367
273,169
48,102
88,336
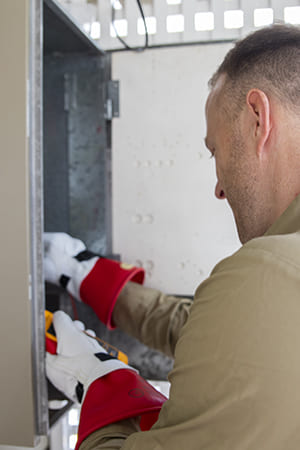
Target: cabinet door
x,y
22,414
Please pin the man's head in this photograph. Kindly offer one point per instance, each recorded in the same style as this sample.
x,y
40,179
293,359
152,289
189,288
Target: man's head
x,y
253,127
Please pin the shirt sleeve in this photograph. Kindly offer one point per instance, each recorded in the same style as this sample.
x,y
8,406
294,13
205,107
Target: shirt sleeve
x,y
155,319
111,437
235,381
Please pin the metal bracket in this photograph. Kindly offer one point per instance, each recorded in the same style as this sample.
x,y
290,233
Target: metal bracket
x,y
111,108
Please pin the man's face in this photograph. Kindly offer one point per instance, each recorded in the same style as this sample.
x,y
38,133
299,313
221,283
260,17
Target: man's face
x,y
239,174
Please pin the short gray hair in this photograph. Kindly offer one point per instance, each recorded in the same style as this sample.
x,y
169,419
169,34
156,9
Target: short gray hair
x,y
268,59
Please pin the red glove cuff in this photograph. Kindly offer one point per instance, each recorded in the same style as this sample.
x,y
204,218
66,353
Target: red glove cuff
x,y
102,286
119,395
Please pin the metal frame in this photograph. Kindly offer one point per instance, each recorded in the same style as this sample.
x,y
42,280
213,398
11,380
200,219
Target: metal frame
x,y
36,215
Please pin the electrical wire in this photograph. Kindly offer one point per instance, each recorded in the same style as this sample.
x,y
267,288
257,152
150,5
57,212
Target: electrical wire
x,y
138,49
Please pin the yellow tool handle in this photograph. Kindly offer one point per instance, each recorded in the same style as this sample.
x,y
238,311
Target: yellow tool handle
x,y
113,351
48,323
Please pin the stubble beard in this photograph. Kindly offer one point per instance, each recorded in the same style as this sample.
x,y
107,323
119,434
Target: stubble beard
x,y
244,193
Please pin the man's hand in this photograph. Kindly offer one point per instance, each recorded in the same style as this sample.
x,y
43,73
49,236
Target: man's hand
x,y
88,277
59,252
80,359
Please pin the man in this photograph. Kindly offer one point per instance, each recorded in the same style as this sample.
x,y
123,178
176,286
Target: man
x,y
235,382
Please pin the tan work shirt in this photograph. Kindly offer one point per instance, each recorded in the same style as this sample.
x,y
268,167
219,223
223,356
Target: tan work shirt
x,y
235,384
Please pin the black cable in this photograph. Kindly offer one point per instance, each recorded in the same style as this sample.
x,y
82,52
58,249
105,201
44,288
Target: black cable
x,y
145,25
139,49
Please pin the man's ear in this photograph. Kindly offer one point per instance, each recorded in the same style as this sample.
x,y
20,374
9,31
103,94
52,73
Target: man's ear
x,y
259,109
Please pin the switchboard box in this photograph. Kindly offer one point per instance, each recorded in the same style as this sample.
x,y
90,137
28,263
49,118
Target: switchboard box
x,y
77,113
80,103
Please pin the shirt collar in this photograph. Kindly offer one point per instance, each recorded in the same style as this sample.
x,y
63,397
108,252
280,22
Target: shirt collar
x,y
288,222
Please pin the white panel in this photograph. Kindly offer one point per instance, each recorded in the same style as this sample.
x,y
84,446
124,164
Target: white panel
x,y
82,9
104,16
161,11
165,214
132,14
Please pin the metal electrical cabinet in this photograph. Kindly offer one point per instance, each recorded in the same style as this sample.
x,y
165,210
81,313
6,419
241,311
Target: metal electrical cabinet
x,y
57,102
79,103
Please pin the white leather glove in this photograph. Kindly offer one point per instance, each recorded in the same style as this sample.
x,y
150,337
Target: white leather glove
x,y
88,277
59,252
80,359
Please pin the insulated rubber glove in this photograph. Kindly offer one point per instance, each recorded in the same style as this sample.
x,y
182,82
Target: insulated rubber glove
x,y
112,391
80,359
88,277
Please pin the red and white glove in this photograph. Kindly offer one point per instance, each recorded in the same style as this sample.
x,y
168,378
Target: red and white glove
x,y
95,280
111,390
79,359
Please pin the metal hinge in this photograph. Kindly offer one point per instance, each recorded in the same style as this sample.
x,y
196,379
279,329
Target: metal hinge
x,y
111,107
